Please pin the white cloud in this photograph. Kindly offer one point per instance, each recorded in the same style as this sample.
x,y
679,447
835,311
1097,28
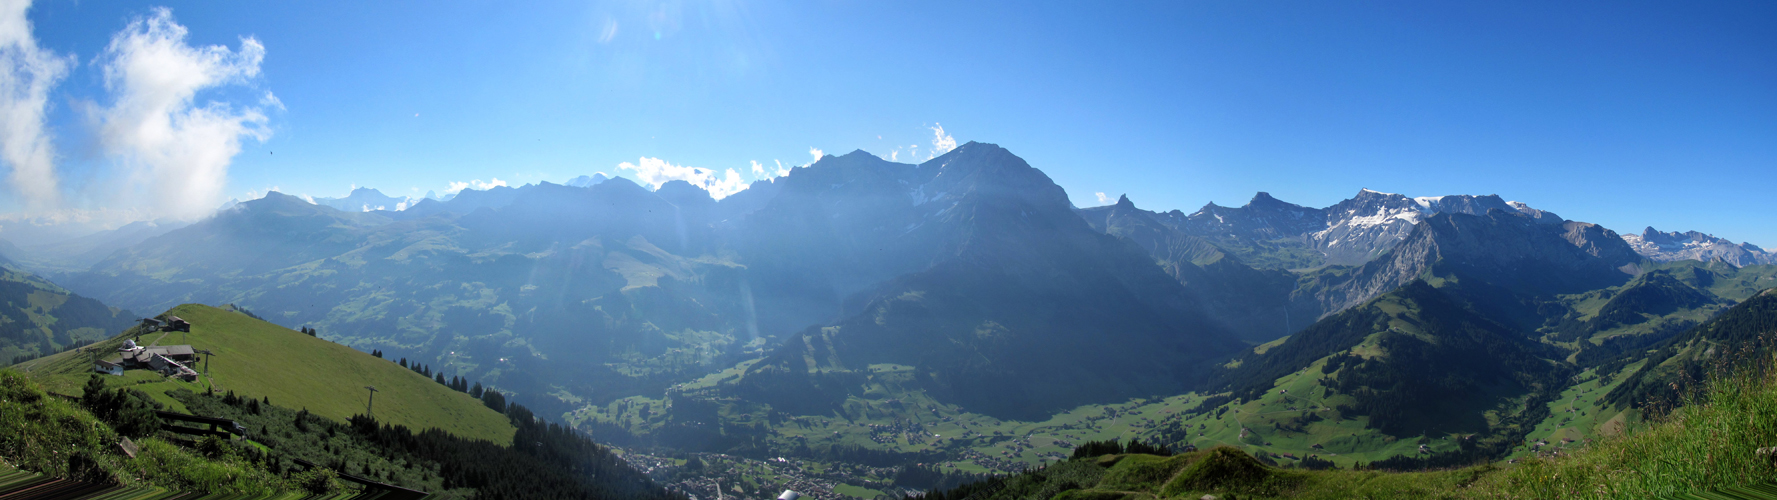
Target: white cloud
x,y
941,142
27,73
781,169
816,153
1103,199
728,185
656,172
176,150
758,170
476,184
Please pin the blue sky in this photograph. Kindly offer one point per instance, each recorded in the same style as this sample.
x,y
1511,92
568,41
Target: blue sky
x,y
1623,113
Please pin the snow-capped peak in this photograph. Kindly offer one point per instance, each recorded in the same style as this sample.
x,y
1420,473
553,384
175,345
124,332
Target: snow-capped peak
x,y
1693,245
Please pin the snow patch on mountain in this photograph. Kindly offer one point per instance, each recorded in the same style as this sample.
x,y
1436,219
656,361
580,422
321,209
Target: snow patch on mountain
x,y
366,200
1693,245
587,180
1351,232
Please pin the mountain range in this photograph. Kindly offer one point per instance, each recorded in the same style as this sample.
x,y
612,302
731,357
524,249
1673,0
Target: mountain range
x,y
968,281
1692,245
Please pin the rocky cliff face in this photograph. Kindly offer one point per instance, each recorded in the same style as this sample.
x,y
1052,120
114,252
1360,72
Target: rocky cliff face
x,y
1509,250
1251,303
1369,224
1692,245
1269,233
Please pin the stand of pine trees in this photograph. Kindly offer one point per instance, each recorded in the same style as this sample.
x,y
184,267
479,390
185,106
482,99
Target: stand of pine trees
x,y
1112,447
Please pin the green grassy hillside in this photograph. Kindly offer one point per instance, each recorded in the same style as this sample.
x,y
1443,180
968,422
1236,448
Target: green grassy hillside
x,y
1711,445
1377,381
1687,359
262,360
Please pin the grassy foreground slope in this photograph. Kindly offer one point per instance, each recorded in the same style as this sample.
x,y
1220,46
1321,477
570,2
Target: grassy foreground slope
x,y
1711,442
57,438
1706,446
262,360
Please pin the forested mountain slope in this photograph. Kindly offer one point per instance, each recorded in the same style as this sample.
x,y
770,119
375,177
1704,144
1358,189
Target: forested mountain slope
x,y
38,318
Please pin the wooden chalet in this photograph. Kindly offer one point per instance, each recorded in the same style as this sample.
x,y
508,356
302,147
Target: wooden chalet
x,y
176,324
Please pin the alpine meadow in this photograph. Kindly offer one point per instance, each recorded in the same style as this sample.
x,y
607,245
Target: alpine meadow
x,y
618,250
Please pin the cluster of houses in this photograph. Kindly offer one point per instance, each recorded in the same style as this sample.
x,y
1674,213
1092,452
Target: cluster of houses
x,y
169,360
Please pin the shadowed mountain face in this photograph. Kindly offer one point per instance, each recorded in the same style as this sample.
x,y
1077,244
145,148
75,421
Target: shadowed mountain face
x,y
38,318
1497,253
1254,304
612,289
1023,310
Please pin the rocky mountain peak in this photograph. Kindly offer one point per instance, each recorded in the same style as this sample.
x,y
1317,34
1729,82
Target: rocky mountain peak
x,y
1264,199
682,193
581,181
1693,245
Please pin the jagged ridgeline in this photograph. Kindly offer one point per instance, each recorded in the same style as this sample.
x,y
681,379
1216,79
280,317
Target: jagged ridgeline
x,y
582,295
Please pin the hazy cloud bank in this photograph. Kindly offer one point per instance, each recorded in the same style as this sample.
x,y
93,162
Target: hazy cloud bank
x,y
164,152
173,151
27,73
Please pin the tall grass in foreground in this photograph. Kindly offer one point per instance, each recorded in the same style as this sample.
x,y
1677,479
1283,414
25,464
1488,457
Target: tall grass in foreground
x,y
57,438
1711,442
